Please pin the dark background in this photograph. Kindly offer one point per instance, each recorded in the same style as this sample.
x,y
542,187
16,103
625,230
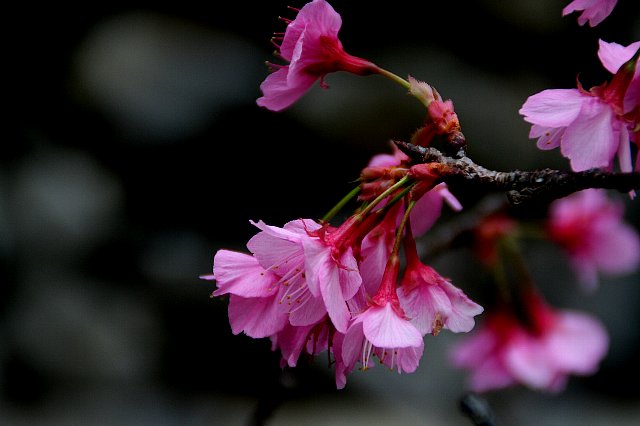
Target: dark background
x,y
135,150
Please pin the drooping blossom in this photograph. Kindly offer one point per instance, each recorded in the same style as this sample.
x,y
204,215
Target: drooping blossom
x,y
383,329
313,50
539,351
592,231
430,300
613,56
590,127
594,11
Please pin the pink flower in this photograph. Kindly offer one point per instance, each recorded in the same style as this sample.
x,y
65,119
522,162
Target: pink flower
x,y
539,354
594,11
431,301
590,228
384,330
312,48
589,127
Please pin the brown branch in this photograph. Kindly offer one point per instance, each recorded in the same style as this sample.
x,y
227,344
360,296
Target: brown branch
x,y
521,186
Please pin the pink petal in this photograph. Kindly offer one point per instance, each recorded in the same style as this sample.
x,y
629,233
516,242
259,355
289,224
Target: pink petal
x,y
426,212
350,278
310,312
595,11
613,55
590,140
375,250
553,107
291,341
404,360
242,275
257,317
422,303
459,319
385,329
548,137
579,343
276,249
530,363
278,94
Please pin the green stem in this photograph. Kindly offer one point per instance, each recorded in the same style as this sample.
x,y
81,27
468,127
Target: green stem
x,y
331,213
393,77
400,230
384,195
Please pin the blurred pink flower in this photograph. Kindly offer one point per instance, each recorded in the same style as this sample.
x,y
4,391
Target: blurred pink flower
x,y
590,228
538,352
594,11
312,48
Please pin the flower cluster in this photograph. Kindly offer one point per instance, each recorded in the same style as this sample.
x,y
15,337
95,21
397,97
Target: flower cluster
x,y
359,290
311,287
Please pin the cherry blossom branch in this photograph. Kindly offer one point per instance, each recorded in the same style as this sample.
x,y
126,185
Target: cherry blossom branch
x,y
520,186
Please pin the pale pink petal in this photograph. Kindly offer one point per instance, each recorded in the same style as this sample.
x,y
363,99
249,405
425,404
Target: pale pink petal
x,y
624,151
594,11
548,137
317,257
490,374
426,212
375,251
242,275
579,343
277,249
310,312
257,317
302,226
334,300
529,361
278,94
451,200
590,140
613,55
553,107
422,303
404,360
459,319
388,160
352,345
616,247
385,329
350,278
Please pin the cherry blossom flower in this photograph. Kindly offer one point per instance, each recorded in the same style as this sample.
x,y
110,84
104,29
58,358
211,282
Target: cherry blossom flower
x,y
313,50
540,353
594,11
384,330
590,228
613,56
590,127
430,300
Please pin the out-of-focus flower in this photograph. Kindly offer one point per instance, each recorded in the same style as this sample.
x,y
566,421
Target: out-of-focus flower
x,y
538,348
313,50
594,11
590,228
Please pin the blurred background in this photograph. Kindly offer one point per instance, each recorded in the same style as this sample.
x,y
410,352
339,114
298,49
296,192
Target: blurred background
x,y
135,150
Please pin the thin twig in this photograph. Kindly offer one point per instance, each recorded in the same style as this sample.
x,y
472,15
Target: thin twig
x,y
521,186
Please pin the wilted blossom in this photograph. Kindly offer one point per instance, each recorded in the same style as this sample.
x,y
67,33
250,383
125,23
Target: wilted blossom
x,y
313,50
591,127
538,347
592,231
594,11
